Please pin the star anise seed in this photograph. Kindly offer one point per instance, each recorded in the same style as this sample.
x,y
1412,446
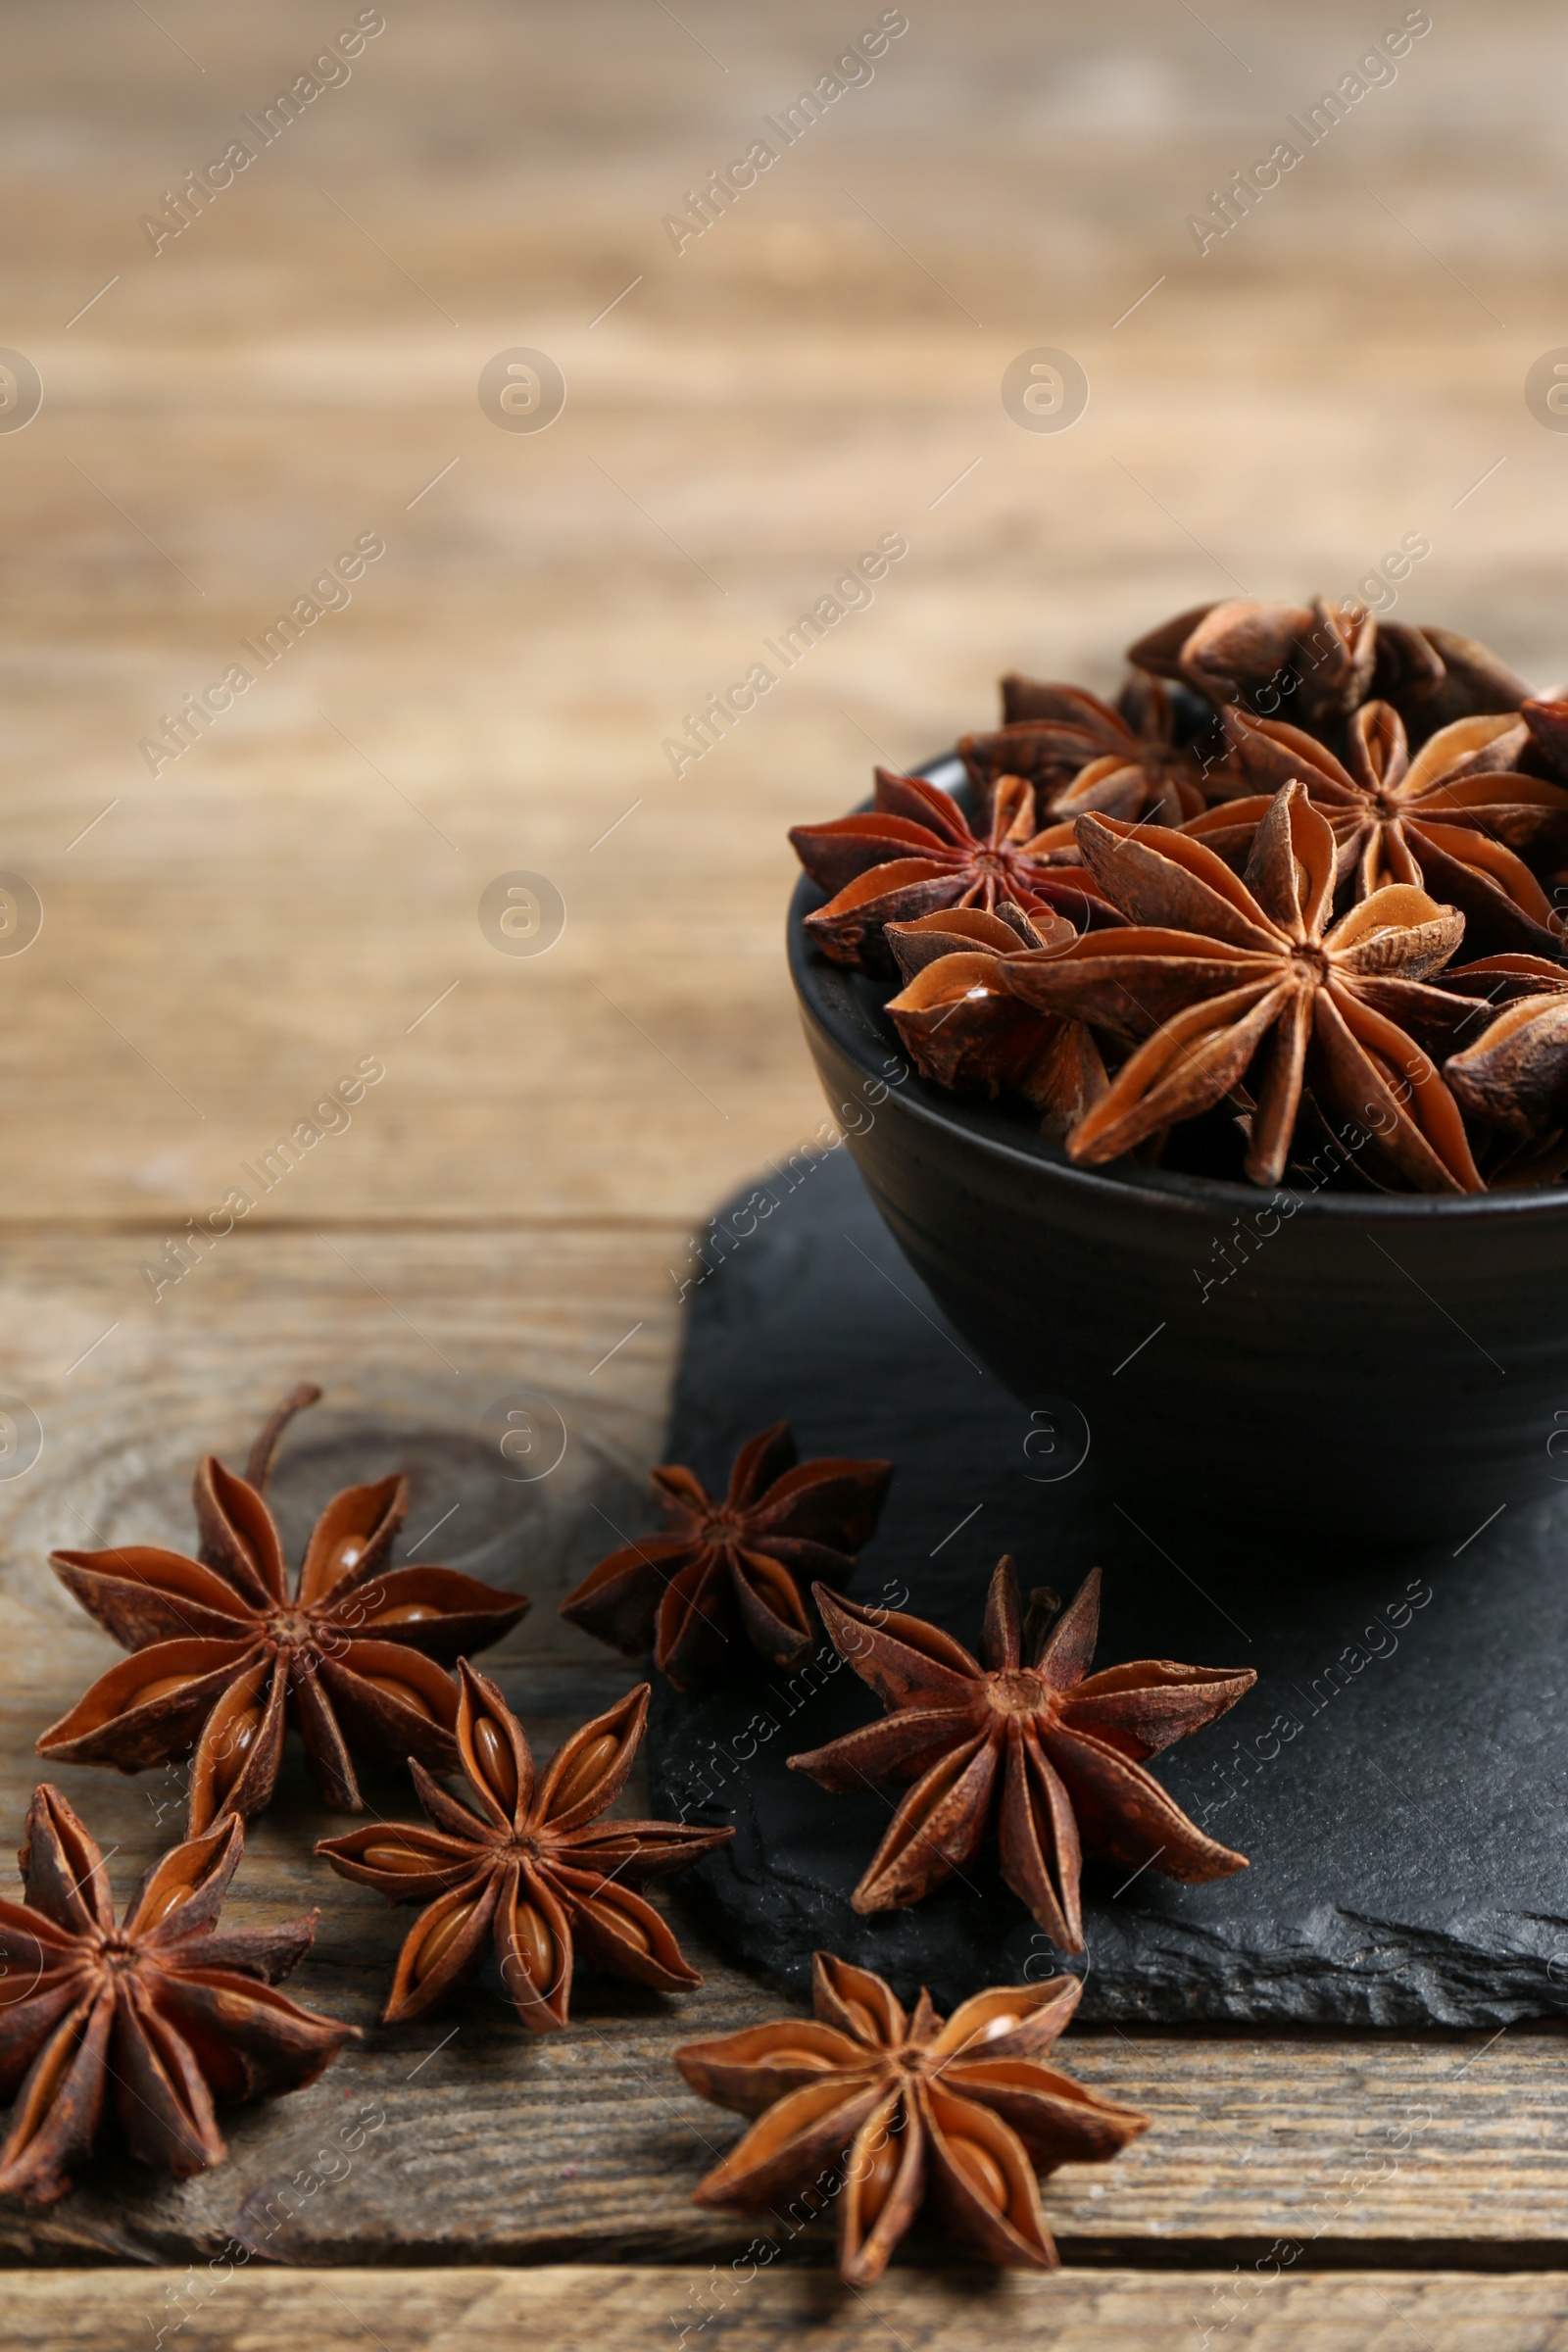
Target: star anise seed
x,y
1083,754
1232,981
225,1654
729,1573
1055,1760
1447,821
529,1872
917,853
889,2114
172,2012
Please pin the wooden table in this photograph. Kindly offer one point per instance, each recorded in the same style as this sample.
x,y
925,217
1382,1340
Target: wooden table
x,y
296,893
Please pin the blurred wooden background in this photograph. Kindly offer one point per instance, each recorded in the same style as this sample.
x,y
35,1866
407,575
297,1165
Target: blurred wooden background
x,y
300,889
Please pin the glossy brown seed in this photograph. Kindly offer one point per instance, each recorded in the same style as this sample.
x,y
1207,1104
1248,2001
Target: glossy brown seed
x,y
411,1612
789,2056
170,1900
536,1948
616,1921
402,1690
861,2022
440,1939
981,2169
347,1554
161,1689
400,1858
239,1738
496,1760
594,1760
877,2185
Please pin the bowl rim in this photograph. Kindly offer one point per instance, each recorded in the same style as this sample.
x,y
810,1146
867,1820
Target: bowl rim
x,y
825,993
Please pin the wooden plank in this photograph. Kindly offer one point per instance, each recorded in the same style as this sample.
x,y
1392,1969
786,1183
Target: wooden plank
x,y
628,2310
493,2145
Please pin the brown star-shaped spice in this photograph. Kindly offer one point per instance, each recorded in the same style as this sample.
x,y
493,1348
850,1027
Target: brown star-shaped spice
x,y
175,2013
1082,753
1313,665
887,2114
1233,979
1315,660
224,1654
1053,1759
1512,1078
1434,676
1450,821
532,1873
915,854
727,1573
965,1028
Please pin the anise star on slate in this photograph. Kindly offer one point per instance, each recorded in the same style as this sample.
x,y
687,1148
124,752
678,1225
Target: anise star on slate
x,y
532,1873
171,2012
915,854
1233,979
1451,822
1050,1753
224,1654
965,1028
889,2114
1083,754
727,1574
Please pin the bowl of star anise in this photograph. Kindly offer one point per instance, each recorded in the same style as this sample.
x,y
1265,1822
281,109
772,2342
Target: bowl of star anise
x,y
1206,1052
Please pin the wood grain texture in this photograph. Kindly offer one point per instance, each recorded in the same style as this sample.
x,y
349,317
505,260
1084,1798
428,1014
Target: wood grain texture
x,y
629,2310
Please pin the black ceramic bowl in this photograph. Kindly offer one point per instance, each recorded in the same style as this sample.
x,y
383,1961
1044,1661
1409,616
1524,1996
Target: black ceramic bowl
x,y
1367,1371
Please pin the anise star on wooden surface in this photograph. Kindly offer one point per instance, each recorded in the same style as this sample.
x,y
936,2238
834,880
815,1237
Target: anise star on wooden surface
x,y
889,2115
1452,822
963,1027
168,2011
916,852
225,1654
726,1576
1231,979
1051,1754
1083,754
531,1873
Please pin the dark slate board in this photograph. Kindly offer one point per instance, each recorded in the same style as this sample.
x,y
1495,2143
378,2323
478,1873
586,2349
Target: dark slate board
x,y
1397,1776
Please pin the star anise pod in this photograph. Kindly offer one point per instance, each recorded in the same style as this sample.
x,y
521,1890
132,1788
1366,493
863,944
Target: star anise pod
x,y
1055,1760
1231,980
727,1574
965,1028
1513,1077
174,2012
915,854
1450,821
530,1871
1083,754
1315,660
224,1654
890,2114
1434,676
